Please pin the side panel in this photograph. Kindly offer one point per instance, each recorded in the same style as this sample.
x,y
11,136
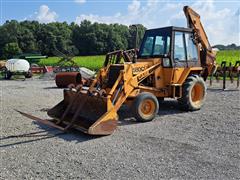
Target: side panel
x,y
178,72
185,73
162,75
159,78
167,76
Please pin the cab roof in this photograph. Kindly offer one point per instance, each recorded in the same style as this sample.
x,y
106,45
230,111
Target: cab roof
x,y
169,29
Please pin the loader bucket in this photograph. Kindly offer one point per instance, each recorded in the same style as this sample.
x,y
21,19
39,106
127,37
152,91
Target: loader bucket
x,y
90,114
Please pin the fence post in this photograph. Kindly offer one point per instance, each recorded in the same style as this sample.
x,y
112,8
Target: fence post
x,y
224,74
237,66
211,80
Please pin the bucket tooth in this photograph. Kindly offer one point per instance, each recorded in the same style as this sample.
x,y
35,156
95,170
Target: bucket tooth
x,y
42,121
105,125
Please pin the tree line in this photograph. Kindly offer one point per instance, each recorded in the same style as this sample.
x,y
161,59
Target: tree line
x,y
227,47
84,39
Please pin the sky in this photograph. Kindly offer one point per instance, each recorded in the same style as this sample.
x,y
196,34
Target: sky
x,y
220,18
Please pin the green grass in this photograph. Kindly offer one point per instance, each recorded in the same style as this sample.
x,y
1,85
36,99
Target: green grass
x,y
229,56
90,62
96,62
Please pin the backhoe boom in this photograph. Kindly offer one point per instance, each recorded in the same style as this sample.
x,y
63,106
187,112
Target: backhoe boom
x,y
208,56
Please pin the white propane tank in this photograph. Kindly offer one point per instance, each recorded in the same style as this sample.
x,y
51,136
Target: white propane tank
x,y
17,65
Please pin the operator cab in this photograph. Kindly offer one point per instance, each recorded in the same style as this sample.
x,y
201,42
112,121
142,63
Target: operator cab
x,y
174,45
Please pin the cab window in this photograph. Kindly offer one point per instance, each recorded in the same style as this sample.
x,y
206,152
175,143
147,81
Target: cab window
x,y
155,46
192,54
159,45
148,45
179,50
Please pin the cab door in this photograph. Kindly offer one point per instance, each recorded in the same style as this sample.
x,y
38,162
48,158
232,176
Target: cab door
x,y
184,54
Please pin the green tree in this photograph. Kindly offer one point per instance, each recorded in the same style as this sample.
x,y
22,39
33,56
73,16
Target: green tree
x,y
8,34
84,39
11,49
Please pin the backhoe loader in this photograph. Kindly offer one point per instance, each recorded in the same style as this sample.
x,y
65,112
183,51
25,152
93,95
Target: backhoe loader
x,y
172,62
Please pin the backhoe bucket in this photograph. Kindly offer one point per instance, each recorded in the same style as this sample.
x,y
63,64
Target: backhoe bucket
x,y
88,113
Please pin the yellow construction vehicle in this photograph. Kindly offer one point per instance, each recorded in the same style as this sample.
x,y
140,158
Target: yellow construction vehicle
x,y
172,62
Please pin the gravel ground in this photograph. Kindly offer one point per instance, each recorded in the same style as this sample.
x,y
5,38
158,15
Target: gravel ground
x,y
175,145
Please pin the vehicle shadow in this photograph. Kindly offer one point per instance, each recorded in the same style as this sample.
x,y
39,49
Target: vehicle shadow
x,y
222,90
53,87
44,134
166,107
69,135
32,137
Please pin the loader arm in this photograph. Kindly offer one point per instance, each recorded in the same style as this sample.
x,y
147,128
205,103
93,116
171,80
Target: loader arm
x,y
127,84
208,56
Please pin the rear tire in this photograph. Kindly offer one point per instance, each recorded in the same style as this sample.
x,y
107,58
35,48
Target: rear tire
x,y
160,100
28,75
8,75
193,94
145,107
34,65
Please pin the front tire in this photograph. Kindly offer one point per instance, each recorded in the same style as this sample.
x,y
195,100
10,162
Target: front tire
x,y
145,107
193,94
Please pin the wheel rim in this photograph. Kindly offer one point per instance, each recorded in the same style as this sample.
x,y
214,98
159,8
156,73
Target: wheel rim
x,y
197,93
147,107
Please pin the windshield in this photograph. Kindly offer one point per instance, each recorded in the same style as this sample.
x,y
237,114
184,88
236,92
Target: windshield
x,y
155,45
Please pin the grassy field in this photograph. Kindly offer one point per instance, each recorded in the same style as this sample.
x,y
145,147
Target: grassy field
x,y
95,62
90,62
229,56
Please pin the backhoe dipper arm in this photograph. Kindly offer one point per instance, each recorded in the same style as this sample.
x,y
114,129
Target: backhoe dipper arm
x,y
208,56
